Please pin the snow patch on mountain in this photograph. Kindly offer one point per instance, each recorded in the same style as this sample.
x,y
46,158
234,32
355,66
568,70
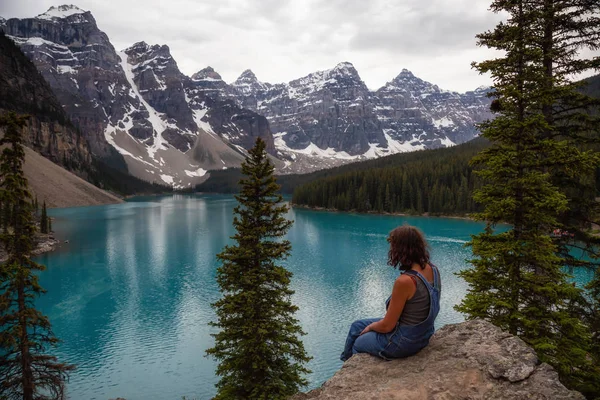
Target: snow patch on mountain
x,y
167,179
66,69
444,122
199,115
447,142
315,153
155,118
63,11
199,172
311,150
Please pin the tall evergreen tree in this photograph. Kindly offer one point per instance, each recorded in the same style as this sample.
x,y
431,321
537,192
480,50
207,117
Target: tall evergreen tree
x,y
27,372
518,281
258,347
44,219
565,28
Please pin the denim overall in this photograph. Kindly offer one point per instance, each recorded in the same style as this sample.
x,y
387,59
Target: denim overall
x,y
403,340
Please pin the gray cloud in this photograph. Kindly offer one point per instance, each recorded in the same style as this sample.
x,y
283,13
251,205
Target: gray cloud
x,y
281,40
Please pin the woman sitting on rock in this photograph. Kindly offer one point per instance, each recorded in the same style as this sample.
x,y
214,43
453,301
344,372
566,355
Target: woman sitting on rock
x,y
412,307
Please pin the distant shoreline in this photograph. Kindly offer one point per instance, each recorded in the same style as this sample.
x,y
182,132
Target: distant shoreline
x,y
400,214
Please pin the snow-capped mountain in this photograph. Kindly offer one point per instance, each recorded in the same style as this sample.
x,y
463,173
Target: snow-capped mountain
x,y
331,117
136,102
412,110
329,110
333,114
137,106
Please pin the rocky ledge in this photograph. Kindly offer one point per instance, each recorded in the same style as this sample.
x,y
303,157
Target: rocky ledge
x,y
44,244
471,360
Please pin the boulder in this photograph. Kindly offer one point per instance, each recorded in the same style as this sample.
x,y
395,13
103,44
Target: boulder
x,y
471,360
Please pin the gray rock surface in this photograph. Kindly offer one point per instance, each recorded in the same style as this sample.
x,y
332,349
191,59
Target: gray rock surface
x,y
79,63
471,360
48,131
334,109
208,81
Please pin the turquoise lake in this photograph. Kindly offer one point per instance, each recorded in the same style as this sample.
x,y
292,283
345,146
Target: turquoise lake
x,y
130,294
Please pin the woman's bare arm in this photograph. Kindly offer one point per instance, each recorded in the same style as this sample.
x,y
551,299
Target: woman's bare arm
x,y
404,289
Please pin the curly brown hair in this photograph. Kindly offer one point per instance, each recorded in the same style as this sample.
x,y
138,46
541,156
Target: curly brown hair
x,y
407,247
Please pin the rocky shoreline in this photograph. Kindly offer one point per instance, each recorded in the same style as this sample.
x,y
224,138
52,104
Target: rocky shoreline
x,y
452,216
44,243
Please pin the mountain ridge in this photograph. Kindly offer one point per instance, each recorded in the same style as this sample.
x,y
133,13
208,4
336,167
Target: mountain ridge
x,y
172,128
317,111
135,104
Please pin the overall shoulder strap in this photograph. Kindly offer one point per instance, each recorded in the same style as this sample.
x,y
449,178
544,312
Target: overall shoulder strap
x,y
412,276
436,275
413,273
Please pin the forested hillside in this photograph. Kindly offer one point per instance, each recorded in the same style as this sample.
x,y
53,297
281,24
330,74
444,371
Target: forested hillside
x,y
434,181
226,181
593,87
431,181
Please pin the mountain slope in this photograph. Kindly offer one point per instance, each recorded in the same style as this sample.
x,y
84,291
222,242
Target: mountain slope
x,y
59,187
135,108
49,131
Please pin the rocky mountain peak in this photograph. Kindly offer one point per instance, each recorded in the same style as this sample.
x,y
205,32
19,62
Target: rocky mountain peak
x,y
245,77
345,68
483,89
207,73
406,76
155,57
137,48
71,12
209,82
248,83
407,81
343,75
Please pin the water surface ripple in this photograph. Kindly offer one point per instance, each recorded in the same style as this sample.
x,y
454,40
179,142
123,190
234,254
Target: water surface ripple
x,y
130,294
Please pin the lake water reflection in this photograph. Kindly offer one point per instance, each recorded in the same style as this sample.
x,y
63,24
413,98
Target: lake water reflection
x,y
130,294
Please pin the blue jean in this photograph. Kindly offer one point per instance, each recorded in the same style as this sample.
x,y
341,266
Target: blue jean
x,y
371,342
402,341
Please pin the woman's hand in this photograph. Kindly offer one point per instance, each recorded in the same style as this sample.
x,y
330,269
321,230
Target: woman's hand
x,y
367,329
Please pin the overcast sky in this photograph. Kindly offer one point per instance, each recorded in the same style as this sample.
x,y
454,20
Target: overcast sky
x,y
281,40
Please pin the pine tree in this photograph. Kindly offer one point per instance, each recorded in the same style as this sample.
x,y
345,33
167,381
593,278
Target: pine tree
x,y
566,27
260,355
44,219
26,370
517,281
